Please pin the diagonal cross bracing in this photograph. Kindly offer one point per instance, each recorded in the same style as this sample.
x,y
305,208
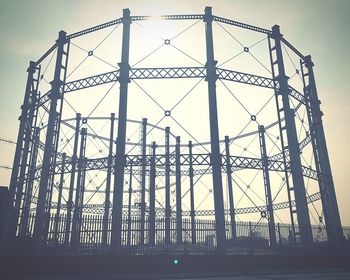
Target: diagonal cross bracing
x,y
98,208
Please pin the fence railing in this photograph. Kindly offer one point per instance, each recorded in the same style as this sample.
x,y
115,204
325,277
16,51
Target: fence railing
x,y
251,237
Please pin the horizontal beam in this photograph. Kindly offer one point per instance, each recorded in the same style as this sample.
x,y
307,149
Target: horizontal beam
x,y
167,17
173,73
242,25
99,208
237,163
292,48
50,50
94,28
168,73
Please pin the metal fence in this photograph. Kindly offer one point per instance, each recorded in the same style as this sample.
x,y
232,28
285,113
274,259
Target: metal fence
x,y
251,238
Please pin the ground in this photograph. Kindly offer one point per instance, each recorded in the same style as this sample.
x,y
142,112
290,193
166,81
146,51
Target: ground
x,y
266,275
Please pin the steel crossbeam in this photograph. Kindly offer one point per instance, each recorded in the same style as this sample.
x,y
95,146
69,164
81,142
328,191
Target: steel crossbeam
x,y
242,25
168,73
91,81
98,208
237,163
94,28
171,72
167,17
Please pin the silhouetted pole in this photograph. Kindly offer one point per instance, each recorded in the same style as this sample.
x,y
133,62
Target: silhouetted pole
x,y
293,146
268,196
167,186
108,183
152,196
129,206
178,193
51,137
318,139
72,179
215,156
79,193
230,190
120,160
59,198
192,211
143,181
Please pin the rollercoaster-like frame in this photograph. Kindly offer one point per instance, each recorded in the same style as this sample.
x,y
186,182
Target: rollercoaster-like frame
x,y
217,162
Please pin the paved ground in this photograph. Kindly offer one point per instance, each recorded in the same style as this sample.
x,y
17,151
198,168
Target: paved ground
x,y
265,275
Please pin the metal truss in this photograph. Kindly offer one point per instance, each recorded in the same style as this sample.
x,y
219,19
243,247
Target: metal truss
x,y
169,73
237,163
173,73
56,163
99,210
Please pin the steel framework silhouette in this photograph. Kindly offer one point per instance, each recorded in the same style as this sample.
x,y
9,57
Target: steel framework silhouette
x,y
49,187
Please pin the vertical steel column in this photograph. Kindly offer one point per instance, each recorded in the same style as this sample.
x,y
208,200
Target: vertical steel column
x,y
30,182
268,196
230,190
293,145
72,179
120,159
214,132
167,186
129,206
152,196
79,190
20,164
59,199
24,167
25,108
49,141
108,183
325,178
192,211
178,193
143,181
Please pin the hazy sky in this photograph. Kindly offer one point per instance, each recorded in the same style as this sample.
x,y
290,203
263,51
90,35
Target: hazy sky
x,y
316,27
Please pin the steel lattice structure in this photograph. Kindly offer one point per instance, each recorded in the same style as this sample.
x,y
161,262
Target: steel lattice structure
x,y
44,171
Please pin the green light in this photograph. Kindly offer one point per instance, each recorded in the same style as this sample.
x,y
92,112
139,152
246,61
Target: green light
x,y
175,261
